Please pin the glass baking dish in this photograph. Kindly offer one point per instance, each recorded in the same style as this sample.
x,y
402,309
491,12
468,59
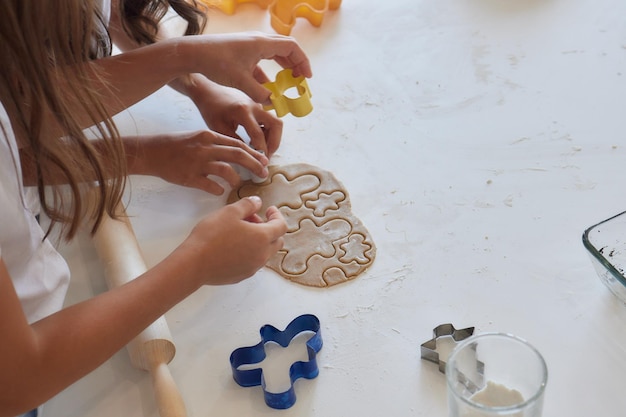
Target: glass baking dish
x,y
606,244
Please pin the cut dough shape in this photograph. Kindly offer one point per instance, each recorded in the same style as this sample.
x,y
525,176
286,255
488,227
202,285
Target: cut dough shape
x,y
325,243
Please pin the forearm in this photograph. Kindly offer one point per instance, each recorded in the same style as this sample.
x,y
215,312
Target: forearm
x,y
186,84
39,361
138,159
137,163
130,77
123,80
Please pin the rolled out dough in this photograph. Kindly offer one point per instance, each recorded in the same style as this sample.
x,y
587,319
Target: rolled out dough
x,y
325,243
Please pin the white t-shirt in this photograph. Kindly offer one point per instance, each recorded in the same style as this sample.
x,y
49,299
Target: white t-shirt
x,y
39,273
105,9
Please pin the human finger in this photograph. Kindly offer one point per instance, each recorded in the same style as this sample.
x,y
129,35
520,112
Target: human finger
x,y
255,90
247,206
272,128
226,149
286,51
259,75
255,218
220,169
276,223
257,137
262,129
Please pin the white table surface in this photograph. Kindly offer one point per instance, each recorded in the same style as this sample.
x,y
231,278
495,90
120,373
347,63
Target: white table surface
x,y
477,140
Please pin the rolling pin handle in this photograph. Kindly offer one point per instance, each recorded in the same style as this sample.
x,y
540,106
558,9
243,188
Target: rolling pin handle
x,y
168,399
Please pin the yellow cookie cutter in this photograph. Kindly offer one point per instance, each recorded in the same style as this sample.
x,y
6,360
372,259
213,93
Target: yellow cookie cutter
x,y
229,6
283,13
299,106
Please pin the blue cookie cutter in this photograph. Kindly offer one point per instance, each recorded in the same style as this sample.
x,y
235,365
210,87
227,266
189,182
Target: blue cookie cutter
x,y
255,354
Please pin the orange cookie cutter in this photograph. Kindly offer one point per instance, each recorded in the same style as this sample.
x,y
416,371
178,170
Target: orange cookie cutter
x,y
229,6
283,13
299,106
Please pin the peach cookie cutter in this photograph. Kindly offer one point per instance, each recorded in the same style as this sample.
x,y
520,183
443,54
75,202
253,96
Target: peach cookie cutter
x,y
256,354
283,13
229,6
298,106
429,349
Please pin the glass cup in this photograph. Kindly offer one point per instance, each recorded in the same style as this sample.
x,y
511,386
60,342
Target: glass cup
x,y
495,374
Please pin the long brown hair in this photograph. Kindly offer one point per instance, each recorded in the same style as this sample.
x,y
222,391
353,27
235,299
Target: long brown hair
x,y
140,18
46,49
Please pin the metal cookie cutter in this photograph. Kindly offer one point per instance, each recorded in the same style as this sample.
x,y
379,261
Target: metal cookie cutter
x,y
429,349
255,354
283,13
298,106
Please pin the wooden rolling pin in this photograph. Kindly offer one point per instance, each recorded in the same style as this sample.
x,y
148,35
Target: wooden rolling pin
x,y
153,348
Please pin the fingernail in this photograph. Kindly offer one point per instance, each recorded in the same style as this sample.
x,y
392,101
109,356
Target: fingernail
x,y
255,199
257,180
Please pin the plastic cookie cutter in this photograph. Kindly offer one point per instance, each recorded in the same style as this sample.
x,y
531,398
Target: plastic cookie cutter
x,y
245,174
429,348
298,106
300,369
283,13
229,6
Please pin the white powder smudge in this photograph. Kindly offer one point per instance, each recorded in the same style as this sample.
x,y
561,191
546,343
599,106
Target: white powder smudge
x,y
497,395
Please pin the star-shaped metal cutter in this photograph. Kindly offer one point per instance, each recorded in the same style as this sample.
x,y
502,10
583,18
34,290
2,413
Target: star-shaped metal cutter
x,y
300,369
429,349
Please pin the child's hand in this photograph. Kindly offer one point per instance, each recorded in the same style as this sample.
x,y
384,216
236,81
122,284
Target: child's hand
x,y
225,108
233,243
188,159
233,59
